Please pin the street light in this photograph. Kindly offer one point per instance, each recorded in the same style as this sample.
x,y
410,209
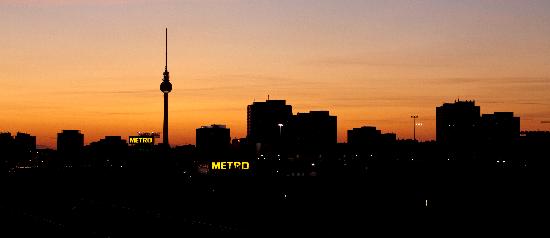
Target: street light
x,y
414,126
280,128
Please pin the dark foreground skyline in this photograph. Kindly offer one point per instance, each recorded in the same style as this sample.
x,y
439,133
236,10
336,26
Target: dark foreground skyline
x,y
298,182
275,132
367,73
276,116
297,179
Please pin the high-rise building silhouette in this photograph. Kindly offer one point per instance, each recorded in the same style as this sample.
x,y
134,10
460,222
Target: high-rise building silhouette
x,y
13,150
165,87
500,127
70,144
267,121
7,151
25,141
6,140
6,147
69,141
213,138
314,130
457,122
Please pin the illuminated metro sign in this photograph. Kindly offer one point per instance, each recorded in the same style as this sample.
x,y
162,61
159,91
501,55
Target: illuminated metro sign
x,y
222,165
141,140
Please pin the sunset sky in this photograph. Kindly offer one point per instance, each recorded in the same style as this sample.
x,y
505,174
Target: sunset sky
x,y
96,66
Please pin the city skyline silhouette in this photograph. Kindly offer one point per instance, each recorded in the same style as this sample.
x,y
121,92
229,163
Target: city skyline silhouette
x,y
414,126
274,117
377,66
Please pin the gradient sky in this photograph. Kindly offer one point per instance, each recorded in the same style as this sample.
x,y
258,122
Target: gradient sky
x,y
96,66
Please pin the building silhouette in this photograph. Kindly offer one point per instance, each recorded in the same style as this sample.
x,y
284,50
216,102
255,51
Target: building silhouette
x,y
165,87
536,137
69,141
534,149
7,151
500,127
213,138
25,141
70,145
457,123
14,150
6,140
110,151
315,130
369,136
267,121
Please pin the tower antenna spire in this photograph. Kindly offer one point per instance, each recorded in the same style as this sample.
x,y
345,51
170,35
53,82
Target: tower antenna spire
x,y
166,48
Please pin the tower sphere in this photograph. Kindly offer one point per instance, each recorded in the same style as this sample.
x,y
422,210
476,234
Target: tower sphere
x,y
166,86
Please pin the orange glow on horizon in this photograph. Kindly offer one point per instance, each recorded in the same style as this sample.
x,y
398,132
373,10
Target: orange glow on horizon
x,y
96,67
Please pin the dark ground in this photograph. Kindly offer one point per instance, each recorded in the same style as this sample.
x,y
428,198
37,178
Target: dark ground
x,y
160,204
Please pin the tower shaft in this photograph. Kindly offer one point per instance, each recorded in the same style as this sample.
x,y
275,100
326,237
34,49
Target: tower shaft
x,y
165,121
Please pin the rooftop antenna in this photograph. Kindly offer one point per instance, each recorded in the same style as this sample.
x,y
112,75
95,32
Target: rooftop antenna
x,y
268,97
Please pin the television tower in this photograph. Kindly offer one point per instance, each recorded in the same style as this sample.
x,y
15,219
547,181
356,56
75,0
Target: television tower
x,y
165,87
